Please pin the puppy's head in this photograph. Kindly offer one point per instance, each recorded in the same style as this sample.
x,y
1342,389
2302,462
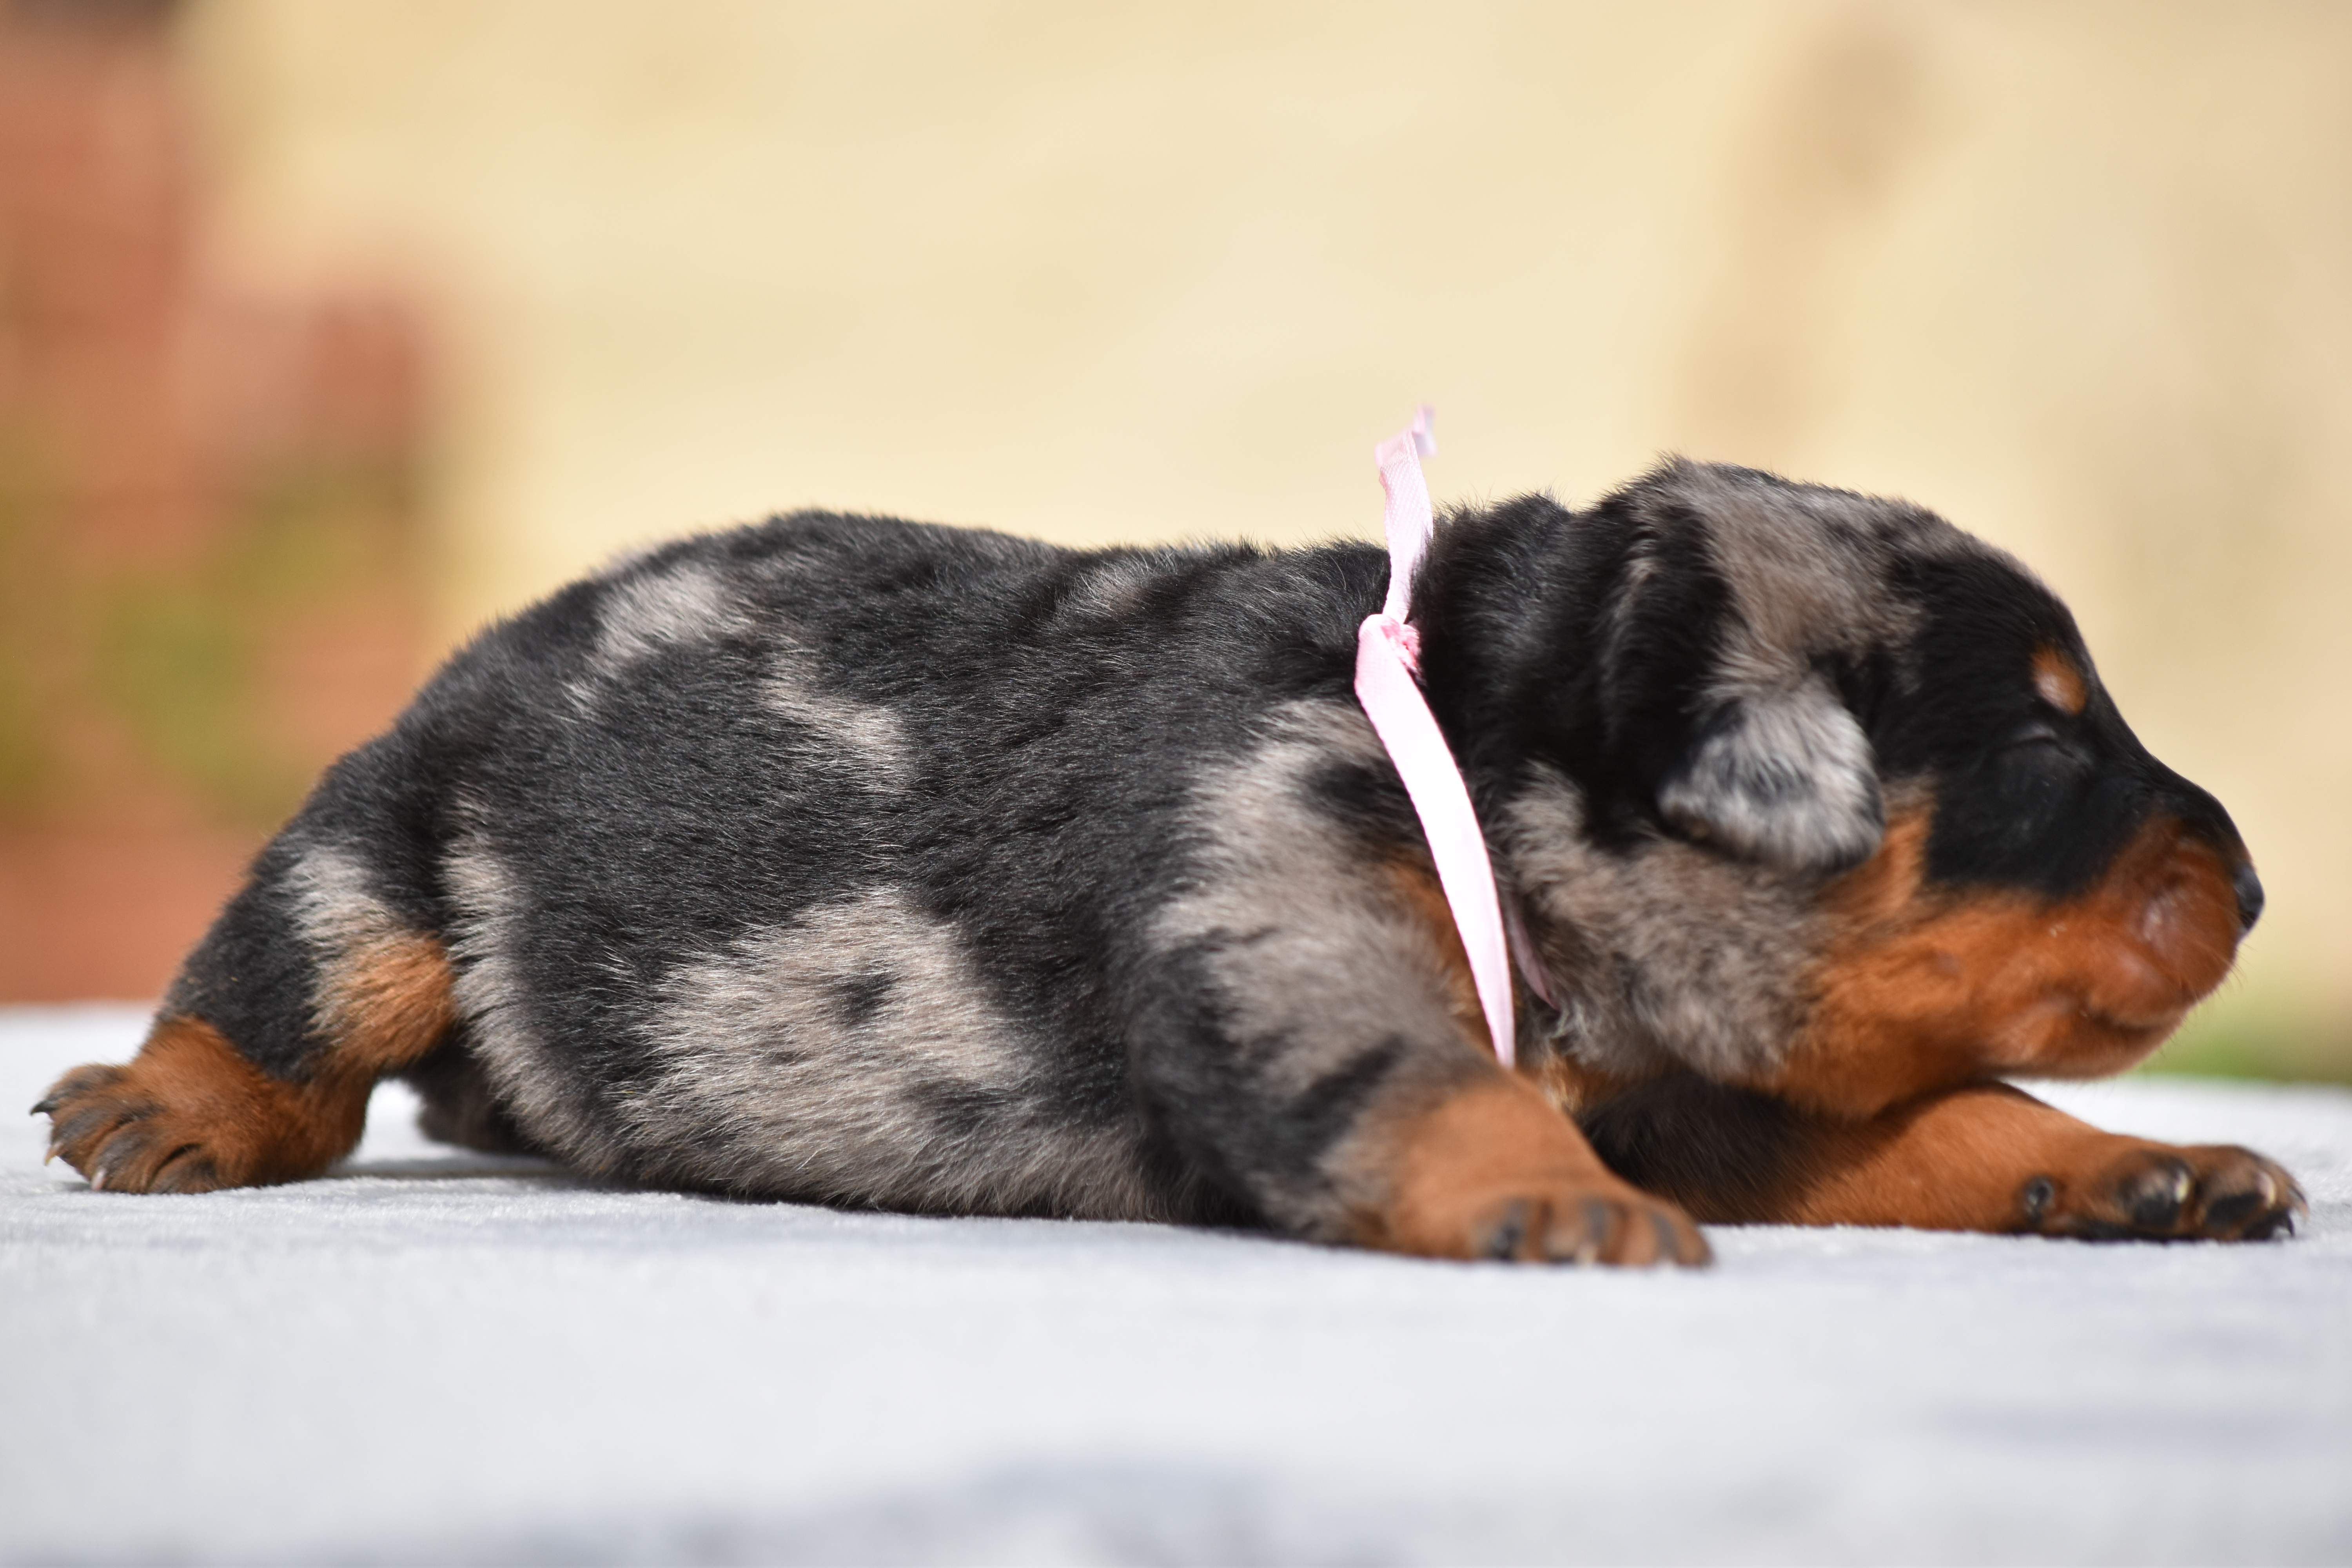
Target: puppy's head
x,y
1849,783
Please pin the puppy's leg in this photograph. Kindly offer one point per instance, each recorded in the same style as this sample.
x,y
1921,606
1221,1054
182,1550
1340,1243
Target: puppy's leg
x,y
1407,1139
308,987
460,1106
1985,1158
1308,1035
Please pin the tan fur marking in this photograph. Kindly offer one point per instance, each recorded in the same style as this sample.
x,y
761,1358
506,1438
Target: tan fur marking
x,y
1920,990
1569,1085
1498,1154
2058,681
1418,885
387,1005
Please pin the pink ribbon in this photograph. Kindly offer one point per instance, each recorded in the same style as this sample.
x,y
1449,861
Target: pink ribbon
x,y
1388,664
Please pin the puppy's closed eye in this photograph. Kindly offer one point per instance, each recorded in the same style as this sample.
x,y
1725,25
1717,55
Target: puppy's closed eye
x,y
2039,748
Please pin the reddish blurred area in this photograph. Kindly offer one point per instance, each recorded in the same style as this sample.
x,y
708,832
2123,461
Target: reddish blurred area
x,y
210,581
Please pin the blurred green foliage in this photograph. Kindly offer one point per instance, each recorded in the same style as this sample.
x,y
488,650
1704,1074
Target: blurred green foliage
x,y
2222,1041
28,586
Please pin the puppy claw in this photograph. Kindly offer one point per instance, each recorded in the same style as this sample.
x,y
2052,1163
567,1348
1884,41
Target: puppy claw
x,y
2236,1211
186,1171
1509,1231
1596,1232
1577,1233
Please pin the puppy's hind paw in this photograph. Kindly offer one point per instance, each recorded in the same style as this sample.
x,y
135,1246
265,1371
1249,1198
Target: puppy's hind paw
x,y
191,1115
109,1126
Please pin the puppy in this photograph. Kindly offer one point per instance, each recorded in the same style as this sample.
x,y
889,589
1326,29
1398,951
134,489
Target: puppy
x,y
863,862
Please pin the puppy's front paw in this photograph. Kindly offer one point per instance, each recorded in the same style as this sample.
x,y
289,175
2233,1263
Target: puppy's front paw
x,y
1591,1222
2216,1192
1495,1173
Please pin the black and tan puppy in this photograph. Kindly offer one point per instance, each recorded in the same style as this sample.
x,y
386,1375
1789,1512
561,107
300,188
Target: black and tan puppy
x,y
869,863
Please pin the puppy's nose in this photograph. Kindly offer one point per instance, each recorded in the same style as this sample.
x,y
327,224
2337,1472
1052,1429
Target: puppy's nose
x,y
2250,897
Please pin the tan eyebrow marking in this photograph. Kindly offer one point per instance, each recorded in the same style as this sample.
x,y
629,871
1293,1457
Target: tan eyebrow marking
x,y
2059,681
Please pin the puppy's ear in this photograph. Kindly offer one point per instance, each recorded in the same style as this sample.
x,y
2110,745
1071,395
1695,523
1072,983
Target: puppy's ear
x,y
1784,775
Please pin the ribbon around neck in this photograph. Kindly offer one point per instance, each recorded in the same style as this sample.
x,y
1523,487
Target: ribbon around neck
x,y
1388,665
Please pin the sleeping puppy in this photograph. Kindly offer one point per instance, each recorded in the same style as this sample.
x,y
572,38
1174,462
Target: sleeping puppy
x,y
863,862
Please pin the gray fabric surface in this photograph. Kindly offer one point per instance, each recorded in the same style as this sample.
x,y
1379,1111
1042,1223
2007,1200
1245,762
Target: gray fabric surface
x,y
435,1357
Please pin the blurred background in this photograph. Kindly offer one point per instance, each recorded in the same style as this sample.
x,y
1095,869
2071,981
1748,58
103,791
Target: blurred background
x,y
330,328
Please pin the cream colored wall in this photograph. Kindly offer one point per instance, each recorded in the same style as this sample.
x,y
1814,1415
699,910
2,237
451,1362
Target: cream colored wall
x,y
2081,276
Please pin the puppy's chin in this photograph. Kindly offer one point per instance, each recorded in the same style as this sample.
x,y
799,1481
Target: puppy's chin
x,y
1919,988
2062,1037
2071,1041
2056,1037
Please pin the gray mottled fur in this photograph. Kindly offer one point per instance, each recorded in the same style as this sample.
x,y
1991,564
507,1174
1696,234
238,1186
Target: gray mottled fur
x,y
868,733
531,1073
1312,952
341,918
848,1053
1786,776
1670,956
